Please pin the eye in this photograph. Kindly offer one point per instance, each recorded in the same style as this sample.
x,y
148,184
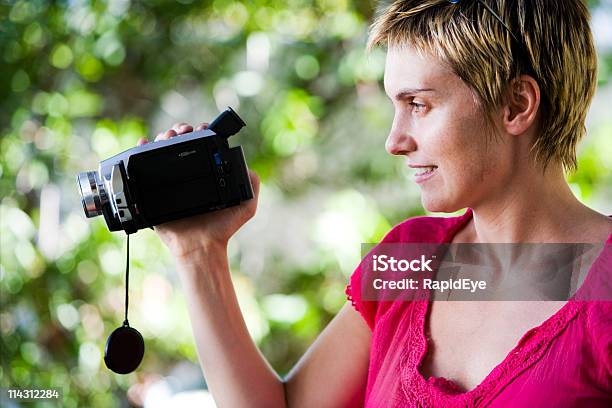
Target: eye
x,y
417,107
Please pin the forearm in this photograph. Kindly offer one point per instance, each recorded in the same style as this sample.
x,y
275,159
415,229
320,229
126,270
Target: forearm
x,y
236,372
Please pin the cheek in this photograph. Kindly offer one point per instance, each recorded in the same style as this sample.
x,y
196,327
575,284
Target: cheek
x,y
464,180
469,149
466,154
474,170
469,163
477,164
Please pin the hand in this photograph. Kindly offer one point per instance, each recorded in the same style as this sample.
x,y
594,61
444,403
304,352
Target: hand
x,y
196,233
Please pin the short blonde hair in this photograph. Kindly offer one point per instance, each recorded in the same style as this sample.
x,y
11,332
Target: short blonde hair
x,y
557,49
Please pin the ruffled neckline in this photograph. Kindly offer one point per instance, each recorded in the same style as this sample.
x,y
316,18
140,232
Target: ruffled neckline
x,y
529,349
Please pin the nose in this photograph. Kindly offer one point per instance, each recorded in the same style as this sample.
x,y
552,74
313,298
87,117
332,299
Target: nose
x,y
399,141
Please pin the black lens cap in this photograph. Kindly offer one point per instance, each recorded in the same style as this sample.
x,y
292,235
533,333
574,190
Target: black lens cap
x,y
124,350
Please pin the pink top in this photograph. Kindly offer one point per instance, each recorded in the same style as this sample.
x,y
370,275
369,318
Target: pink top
x,y
564,362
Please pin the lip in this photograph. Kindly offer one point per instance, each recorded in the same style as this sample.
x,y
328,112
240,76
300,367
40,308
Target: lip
x,y
421,178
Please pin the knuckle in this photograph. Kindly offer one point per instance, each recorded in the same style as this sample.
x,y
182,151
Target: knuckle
x,y
179,126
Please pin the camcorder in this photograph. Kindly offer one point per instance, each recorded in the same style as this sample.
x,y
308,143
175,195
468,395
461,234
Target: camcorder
x,y
170,179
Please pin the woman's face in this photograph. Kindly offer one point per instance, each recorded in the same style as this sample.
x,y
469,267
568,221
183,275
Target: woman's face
x,y
437,123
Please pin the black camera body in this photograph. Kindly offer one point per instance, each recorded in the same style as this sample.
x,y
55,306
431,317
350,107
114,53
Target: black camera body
x,y
171,179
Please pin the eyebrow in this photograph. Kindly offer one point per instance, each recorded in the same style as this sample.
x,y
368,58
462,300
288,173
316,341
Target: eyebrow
x,y
411,91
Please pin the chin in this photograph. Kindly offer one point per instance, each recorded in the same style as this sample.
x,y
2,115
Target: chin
x,y
433,203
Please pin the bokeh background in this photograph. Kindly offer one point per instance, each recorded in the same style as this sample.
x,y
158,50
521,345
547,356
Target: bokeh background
x,y
83,80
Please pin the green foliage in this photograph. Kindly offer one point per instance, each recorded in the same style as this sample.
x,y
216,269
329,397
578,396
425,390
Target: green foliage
x,y
83,80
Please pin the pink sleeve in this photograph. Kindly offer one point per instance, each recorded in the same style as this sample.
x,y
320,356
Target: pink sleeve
x,y
423,229
368,309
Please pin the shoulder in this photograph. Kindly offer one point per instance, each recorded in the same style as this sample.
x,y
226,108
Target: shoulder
x,y
598,316
422,229
598,321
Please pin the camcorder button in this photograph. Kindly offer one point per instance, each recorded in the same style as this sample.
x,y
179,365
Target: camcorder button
x,y
227,167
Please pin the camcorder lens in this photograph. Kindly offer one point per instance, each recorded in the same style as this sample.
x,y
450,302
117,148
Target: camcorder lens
x,y
90,196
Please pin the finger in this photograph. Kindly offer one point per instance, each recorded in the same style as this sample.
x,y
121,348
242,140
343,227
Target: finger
x,y
180,127
202,126
169,133
142,141
159,136
185,129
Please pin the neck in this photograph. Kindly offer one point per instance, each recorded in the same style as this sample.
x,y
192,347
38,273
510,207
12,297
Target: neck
x,y
531,207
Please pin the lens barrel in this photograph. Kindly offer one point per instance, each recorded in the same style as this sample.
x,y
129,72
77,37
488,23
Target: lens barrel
x,y
90,195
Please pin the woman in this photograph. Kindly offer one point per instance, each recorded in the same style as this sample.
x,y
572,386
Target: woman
x,y
490,101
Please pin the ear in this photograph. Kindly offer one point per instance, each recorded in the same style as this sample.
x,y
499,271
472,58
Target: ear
x,y
522,105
